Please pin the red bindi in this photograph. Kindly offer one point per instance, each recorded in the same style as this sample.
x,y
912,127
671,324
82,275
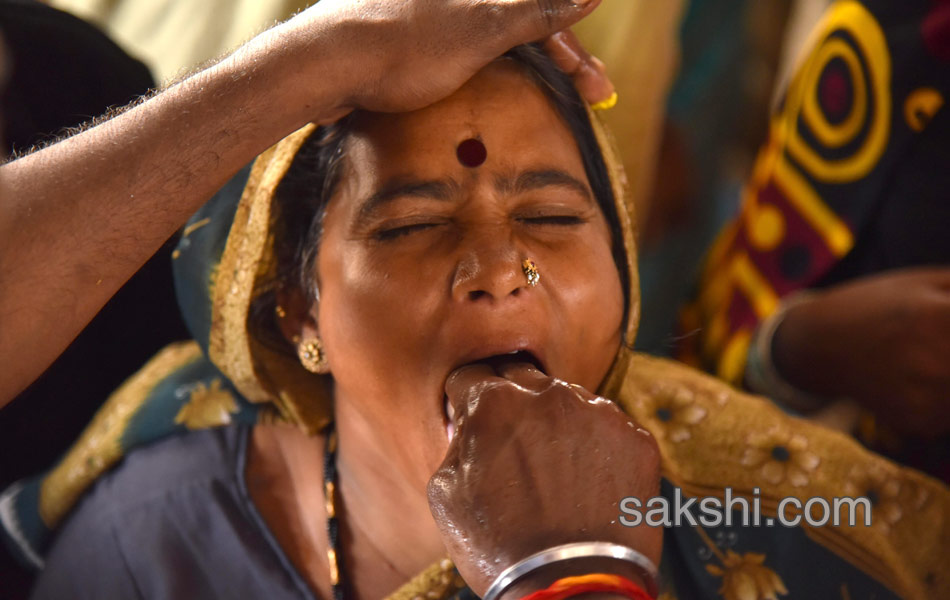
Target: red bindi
x,y
471,152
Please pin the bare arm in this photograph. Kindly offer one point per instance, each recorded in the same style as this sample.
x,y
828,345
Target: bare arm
x,y
78,218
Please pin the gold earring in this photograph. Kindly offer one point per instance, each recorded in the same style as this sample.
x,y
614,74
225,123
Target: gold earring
x,y
530,271
312,356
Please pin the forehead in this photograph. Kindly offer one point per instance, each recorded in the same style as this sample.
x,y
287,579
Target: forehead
x,y
501,106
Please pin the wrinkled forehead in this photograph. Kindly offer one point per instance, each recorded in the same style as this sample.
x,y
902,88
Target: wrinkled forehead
x,y
498,122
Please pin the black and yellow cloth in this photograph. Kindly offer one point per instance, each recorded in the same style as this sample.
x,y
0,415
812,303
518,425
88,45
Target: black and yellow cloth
x,y
710,436
851,181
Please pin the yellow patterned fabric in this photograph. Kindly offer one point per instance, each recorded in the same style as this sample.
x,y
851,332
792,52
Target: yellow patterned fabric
x,y
247,269
712,436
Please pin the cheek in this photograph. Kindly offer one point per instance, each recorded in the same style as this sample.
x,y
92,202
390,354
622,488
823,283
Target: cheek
x,y
373,323
594,309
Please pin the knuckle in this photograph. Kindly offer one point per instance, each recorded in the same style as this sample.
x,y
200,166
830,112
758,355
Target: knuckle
x,y
563,389
552,11
549,11
488,402
492,393
537,14
437,488
490,14
442,484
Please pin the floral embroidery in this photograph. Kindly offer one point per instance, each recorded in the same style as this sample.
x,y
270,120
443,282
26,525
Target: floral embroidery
x,y
886,493
746,577
779,456
676,410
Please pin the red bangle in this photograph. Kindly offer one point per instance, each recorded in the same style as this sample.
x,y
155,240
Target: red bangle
x,y
583,584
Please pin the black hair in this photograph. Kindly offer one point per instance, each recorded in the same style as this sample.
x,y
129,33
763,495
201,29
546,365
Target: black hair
x,y
316,170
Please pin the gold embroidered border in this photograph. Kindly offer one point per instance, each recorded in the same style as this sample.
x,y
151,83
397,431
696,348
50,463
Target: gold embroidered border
x,y
626,214
246,268
99,446
437,582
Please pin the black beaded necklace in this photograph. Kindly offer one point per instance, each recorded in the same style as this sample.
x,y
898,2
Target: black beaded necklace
x,y
334,554
449,579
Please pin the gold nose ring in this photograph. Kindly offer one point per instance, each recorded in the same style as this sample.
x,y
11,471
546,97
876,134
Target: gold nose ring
x,y
530,271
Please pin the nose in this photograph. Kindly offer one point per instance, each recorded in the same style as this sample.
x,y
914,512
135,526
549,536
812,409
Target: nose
x,y
489,269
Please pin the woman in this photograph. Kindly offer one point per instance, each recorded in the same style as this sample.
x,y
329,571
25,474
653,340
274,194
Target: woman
x,y
439,275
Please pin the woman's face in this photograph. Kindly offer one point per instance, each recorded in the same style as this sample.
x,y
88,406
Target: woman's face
x,y
420,263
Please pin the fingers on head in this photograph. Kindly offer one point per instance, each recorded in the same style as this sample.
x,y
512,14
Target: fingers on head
x,y
565,50
589,72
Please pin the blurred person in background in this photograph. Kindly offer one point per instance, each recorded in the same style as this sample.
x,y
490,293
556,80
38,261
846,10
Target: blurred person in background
x,y
729,58
60,72
829,292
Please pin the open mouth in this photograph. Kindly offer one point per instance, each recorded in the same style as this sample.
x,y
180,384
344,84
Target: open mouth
x,y
497,362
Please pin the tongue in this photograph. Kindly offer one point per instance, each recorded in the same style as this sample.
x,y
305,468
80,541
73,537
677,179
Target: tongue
x,y
500,360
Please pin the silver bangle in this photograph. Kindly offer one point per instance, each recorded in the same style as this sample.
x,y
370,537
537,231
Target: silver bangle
x,y
761,376
567,552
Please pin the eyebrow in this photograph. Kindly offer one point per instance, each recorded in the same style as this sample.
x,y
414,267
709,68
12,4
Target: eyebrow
x,y
527,181
447,189
442,189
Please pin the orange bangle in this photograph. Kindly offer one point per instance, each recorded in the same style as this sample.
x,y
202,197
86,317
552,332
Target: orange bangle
x,y
583,584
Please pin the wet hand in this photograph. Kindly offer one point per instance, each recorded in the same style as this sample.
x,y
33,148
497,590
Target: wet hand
x,y
536,462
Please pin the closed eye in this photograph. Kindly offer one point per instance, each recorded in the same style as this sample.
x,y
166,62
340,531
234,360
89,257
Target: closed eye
x,y
403,230
552,220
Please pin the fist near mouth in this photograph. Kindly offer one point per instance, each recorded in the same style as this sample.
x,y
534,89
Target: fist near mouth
x,y
537,462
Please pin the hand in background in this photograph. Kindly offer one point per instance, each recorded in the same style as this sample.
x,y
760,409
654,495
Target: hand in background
x,y
883,340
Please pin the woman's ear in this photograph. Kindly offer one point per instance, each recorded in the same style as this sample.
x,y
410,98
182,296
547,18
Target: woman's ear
x,y
296,315
297,319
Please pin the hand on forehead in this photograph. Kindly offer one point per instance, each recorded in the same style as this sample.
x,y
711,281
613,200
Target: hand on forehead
x,y
498,124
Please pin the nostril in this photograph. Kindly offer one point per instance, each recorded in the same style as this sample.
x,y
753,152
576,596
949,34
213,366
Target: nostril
x,y
476,294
